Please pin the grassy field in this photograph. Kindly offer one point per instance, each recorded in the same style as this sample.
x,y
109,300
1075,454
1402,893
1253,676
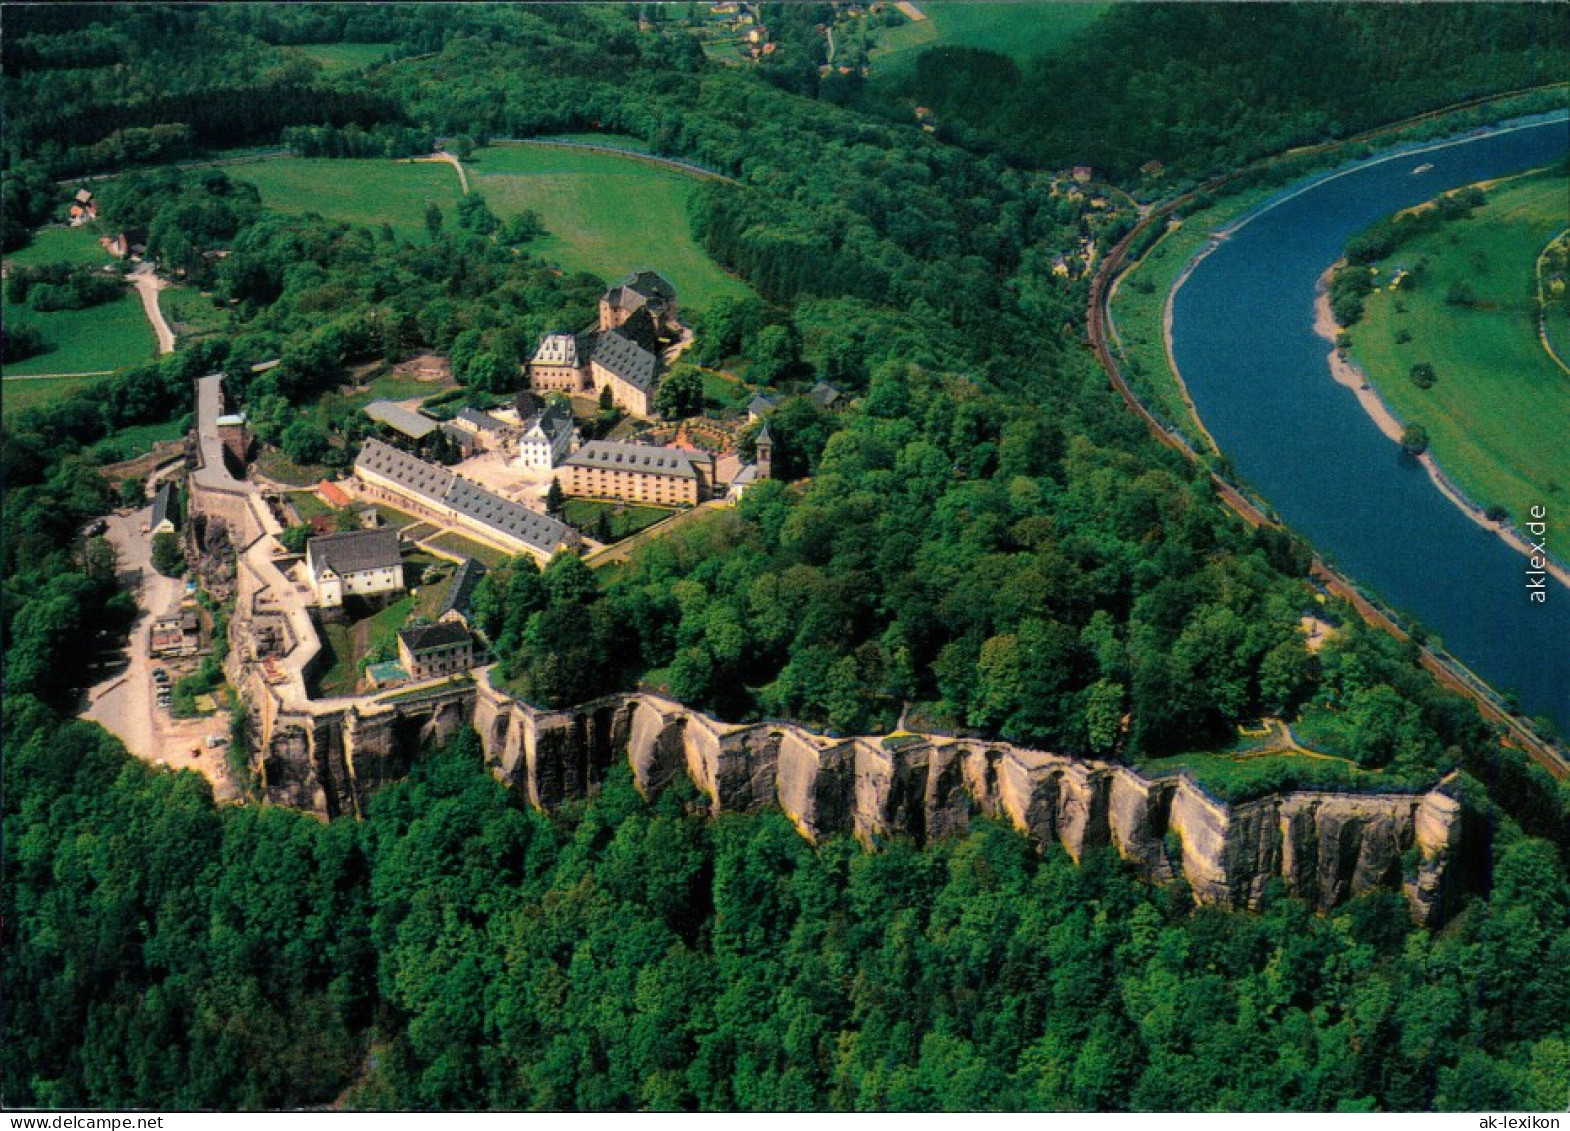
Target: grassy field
x,y
137,440
110,336
61,245
1499,413
625,519
19,393
1020,31
360,191
338,58
190,314
351,642
605,214
464,547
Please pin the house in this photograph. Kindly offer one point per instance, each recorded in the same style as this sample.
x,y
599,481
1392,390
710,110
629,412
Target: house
x,y
460,592
468,443
642,290
626,360
482,424
1083,173
432,651
561,363
759,407
547,439
83,197
176,634
826,396
332,494
413,425
433,492
639,473
164,514
356,563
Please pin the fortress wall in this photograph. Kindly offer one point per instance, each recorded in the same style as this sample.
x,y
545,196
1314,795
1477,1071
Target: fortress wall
x,y
1325,847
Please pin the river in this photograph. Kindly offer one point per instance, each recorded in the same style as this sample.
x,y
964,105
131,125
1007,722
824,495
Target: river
x,y
1243,338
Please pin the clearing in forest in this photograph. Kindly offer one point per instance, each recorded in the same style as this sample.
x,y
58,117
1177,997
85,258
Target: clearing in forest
x,y
605,214
369,191
1020,31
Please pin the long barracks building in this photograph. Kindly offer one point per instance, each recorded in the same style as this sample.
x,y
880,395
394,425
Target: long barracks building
x,y
638,473
433,492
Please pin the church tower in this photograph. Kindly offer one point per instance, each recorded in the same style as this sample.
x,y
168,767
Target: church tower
x,y
765,444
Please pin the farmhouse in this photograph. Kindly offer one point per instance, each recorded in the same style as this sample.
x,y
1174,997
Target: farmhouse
x,y
357,563
436,493
640,473
434,650
547,439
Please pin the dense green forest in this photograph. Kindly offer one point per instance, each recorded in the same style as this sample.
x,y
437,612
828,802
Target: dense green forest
x,y
984,532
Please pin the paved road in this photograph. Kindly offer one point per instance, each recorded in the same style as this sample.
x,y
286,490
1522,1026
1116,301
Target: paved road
x,y
125,702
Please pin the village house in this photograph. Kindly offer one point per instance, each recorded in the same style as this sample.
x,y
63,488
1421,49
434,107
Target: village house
x,y
162,521
356,563
547,439
432,651
638,473
433,492
460,591
826,396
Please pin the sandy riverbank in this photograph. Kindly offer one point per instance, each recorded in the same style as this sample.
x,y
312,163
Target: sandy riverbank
x,y
1346,372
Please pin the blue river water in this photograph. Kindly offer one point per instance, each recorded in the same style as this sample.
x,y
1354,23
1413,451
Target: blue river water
x,y
1243,338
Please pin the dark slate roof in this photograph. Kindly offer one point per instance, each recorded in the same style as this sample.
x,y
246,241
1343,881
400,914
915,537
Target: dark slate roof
x,y
824,394
468,499
650,284
555,420
538,530
484,421
615,456
761,405
355,550
162,506
464,583
641,330
427,637
467,441
624,357
411,424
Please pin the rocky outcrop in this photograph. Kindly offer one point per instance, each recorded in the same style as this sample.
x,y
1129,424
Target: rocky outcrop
x,y
1324,847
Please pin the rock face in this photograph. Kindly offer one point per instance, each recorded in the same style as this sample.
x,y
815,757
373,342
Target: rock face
x,y
1325,847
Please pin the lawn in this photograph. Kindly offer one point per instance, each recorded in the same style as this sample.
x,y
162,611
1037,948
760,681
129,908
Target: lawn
x,y
607,215
1498,415
625,519
464,547
61,245
281,469
339,58
20,393
350,643
1020,31
191,314
110,336
366,191
137,440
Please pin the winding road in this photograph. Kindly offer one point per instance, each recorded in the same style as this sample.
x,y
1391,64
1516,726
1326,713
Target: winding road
x,y
148,284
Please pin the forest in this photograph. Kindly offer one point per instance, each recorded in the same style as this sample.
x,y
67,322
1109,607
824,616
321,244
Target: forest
x,y
986,533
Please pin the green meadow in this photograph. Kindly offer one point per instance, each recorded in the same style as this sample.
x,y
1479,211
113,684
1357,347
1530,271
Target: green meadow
x,y
1020,31
370,191
99,338
605,214
340,58
1499,412
61,245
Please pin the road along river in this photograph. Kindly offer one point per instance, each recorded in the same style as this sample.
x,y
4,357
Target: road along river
x,y
1243,338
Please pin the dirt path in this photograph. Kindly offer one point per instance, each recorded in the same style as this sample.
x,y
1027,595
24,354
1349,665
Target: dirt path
x,y
449,159
1347,373
148,285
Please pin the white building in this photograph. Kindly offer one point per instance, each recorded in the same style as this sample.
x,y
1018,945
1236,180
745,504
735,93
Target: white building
x,y
547,440
357,563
